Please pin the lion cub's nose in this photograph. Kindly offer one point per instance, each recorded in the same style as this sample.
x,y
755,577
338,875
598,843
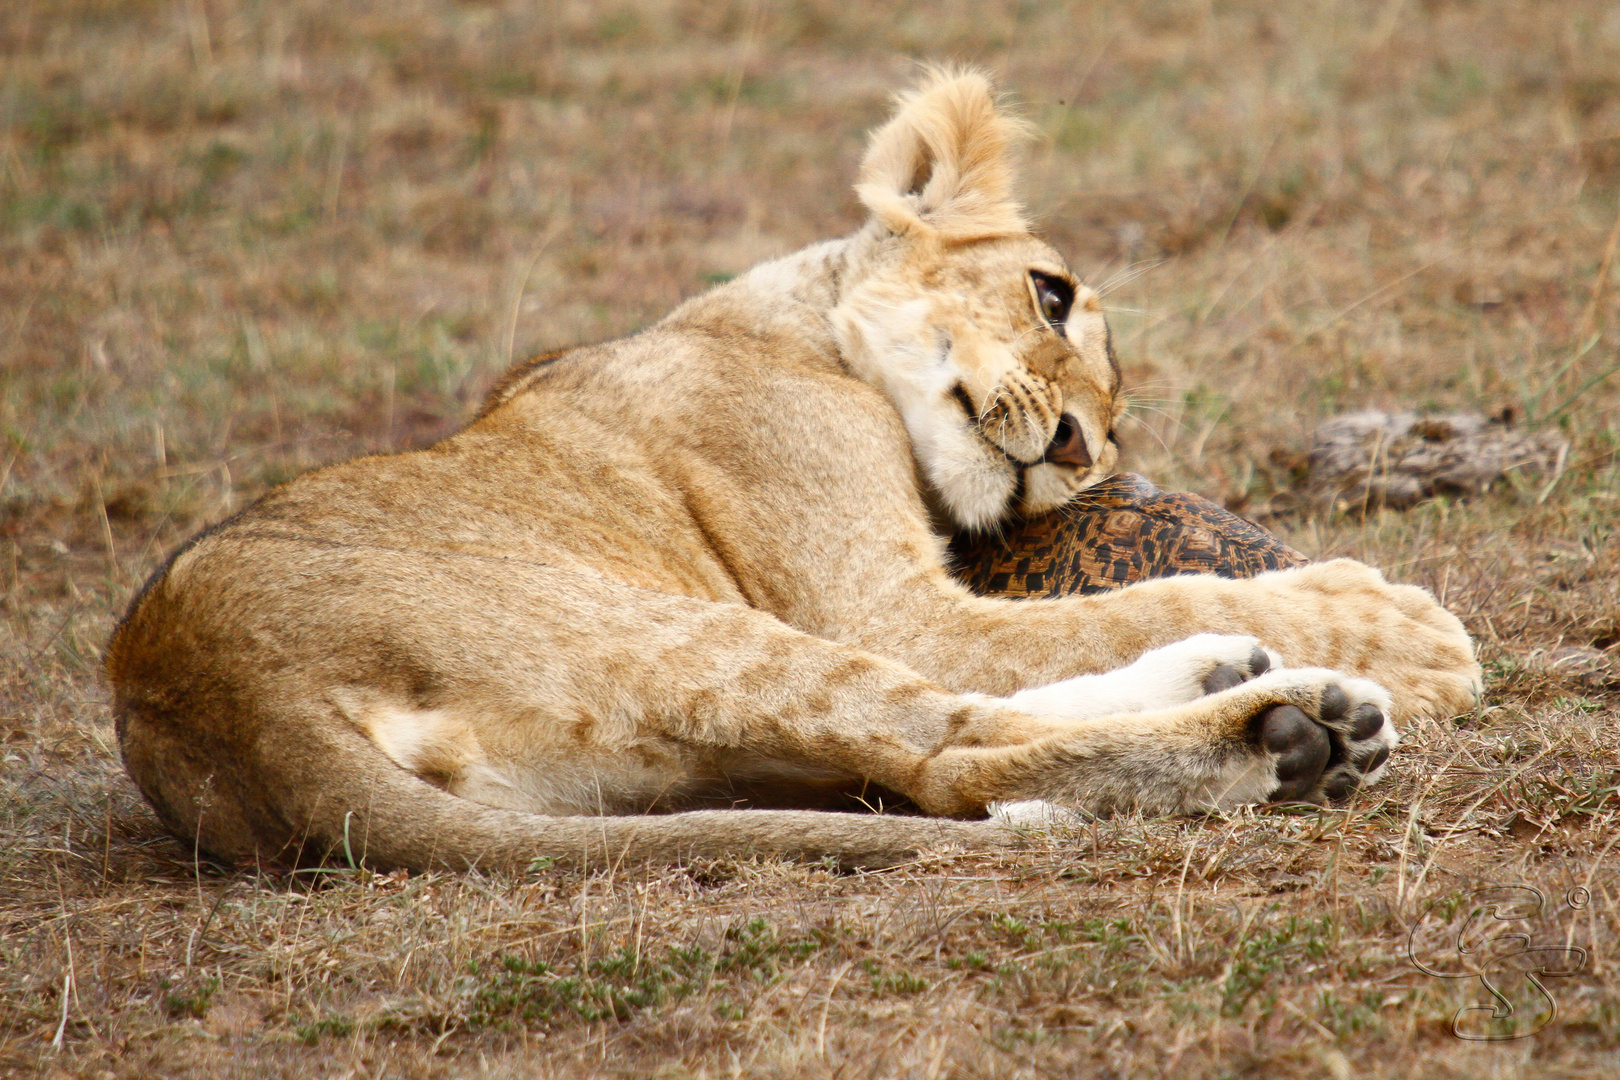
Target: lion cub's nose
x,y
1068,446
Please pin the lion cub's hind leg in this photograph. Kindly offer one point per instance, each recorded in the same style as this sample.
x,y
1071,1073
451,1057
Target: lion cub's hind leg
x,y
1343,748
1291,734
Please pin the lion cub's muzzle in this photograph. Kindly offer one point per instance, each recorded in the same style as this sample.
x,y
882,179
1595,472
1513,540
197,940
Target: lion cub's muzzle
x,y
1068,445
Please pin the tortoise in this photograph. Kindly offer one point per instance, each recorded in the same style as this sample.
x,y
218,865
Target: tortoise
x,y
1121,530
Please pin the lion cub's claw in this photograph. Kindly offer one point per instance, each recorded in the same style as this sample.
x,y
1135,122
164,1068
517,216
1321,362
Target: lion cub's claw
x,y
1367,738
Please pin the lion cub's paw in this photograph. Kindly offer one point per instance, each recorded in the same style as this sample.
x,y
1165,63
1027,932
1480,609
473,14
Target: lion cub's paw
x,y
1203,664
1172,675
1325,734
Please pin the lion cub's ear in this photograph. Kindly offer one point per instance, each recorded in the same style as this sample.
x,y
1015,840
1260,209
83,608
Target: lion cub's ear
x,y
943,163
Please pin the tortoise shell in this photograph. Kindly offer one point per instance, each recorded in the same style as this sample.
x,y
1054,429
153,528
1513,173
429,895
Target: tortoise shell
x,y
1120,530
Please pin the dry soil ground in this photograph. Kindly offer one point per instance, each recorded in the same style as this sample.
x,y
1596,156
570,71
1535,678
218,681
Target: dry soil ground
x,y
239,239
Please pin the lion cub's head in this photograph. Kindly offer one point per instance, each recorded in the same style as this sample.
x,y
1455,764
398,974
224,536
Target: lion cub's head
x,y
996,355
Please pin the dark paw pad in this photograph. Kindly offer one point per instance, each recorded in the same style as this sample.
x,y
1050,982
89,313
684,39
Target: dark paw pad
x,y
1302,747
1347,778
1223,677
1341,785
1365,720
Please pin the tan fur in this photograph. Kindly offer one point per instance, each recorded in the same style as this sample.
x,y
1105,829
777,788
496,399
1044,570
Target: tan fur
x,y
702,567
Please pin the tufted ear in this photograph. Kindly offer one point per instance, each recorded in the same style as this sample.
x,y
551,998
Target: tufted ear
x,y
943,163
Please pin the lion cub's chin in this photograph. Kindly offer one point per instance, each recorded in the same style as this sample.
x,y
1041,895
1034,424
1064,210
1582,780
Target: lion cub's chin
x,y
983,498
1048,487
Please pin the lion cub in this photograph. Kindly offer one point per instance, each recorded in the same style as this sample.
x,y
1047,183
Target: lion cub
x,y
702,567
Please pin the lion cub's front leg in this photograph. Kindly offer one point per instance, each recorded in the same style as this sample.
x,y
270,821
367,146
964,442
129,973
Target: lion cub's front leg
x,y
1340,615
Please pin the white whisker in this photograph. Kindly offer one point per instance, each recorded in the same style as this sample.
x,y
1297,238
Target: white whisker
x,y
1127,275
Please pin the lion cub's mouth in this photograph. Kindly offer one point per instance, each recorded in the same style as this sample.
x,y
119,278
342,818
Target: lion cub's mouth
x,y
975,423
1068,445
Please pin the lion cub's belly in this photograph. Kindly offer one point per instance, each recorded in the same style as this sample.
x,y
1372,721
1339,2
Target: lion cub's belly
x,y
521,768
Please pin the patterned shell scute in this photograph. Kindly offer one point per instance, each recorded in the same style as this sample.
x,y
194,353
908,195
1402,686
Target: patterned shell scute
x,y
1122,530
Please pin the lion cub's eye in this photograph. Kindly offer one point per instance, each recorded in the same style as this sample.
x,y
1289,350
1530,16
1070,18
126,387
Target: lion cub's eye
x,y
1054,297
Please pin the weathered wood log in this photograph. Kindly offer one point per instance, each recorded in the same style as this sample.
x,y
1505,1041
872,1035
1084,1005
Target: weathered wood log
x,y
1371,459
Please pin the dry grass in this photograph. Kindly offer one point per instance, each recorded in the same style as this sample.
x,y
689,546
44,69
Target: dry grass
x,y
238,239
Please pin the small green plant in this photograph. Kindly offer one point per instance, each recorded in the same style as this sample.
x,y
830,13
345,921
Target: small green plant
x,y
1269,950
1114,935
757,949
313,1031
622,983
193,1003
1347,1017
896,982
1569,795
973,961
